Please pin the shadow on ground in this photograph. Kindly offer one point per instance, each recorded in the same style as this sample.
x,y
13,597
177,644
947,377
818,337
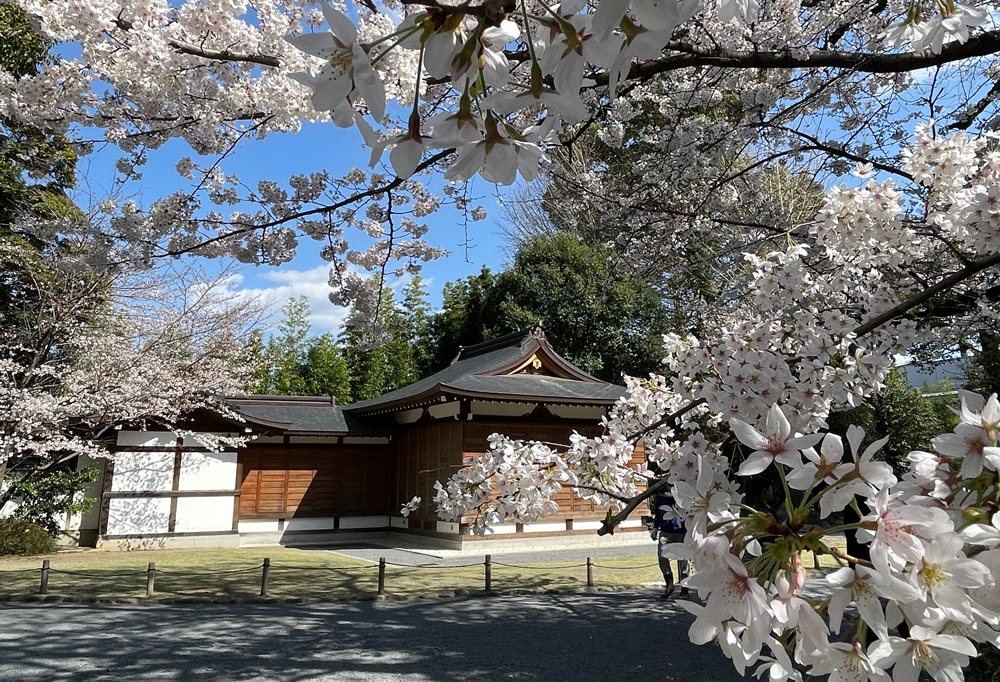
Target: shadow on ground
x,y
550,638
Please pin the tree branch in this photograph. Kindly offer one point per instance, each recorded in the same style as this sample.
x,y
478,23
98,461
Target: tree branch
x,y
224,55
927,294
612,521
982,45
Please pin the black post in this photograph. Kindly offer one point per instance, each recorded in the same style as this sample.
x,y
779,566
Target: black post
x,y
489,573
265,569
381,575
150,579
590,572
43,587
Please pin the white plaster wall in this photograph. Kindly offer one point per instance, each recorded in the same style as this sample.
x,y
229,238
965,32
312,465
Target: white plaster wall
x,y
544,527
92,490
350,522
136,471
325,523
399,522
587,525
577,412
505,529
133,515
409,416
630,523
444,409
201,514
313,440
207,471
446,527
192,440
258,526
148,439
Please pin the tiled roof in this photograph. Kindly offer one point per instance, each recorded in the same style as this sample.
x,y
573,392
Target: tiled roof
x,y
469,375
303,414
479,372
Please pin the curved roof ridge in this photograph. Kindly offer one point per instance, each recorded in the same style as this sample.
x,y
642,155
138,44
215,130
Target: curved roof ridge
x,y
508,340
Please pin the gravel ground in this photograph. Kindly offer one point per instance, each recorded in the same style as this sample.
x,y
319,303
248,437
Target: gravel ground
x,y
433,557
603,637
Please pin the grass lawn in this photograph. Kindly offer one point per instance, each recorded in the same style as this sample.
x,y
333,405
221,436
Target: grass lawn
x,y
294,573
304,573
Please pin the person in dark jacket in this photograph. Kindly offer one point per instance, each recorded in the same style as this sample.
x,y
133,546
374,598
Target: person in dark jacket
x,y
667,529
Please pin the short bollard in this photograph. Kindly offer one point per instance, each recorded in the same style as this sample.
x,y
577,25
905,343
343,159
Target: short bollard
x,y
150,579
381,575
488,564
43,587
590,572
265,570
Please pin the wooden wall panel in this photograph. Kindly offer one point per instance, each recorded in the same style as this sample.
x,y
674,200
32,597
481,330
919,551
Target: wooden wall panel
x,y
475,443
426,454
285,481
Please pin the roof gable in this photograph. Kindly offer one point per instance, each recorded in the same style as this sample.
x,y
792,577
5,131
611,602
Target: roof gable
x,y
520,366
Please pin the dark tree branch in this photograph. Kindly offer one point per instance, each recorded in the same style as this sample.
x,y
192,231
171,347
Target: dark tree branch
x,y
927,294
244,228
982,45
968,117
224,55
612,521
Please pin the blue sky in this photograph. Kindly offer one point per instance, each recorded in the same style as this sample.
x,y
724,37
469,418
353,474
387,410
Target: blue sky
x,y
279,156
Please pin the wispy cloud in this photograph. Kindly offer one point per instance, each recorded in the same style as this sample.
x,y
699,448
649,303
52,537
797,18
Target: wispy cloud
x,y
288,283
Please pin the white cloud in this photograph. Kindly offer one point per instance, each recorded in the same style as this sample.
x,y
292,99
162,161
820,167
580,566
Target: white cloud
x,y
324,316
289,283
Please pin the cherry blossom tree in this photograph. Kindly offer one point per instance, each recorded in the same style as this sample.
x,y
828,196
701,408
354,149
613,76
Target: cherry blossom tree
x,y
703,98
89,352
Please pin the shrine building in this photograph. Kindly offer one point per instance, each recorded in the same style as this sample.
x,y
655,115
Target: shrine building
x,y
316,472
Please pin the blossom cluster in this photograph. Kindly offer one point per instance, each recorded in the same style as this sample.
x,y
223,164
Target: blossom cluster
x,y
818,328
471,91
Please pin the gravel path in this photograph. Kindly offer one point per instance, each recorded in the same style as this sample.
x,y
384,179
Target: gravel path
x,y
605,637
434,557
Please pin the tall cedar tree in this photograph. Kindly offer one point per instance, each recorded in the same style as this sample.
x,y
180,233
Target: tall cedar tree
x,y
392,364
295,363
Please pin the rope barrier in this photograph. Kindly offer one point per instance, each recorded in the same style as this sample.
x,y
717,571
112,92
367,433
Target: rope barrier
x,y
23,570
161,571
389,563
538,567
213,590
97,575
323,568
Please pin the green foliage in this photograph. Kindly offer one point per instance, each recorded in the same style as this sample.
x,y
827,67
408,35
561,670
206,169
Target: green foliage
x,y
24,539
462,320
43,156
594,312
393,364
295,363
45,496
905,415
982,370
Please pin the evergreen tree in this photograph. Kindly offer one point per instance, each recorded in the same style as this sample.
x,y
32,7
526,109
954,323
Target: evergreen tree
x,y
982,370
599,316
385,367
904,414
460,322
295,363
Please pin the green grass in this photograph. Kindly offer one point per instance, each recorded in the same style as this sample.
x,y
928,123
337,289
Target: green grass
x,y
308,574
